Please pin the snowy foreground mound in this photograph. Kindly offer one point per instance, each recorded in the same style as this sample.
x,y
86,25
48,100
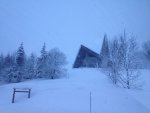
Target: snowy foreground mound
x,y
72,95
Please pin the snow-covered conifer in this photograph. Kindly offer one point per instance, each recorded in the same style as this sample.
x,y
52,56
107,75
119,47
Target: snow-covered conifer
x,y
20,58
41,66
8,61
146,51
30,67
1,65
20,63
104,54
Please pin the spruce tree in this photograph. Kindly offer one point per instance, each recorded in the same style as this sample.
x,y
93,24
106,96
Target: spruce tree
x,y
1,62
1,65
20,63
9,71
43,51
8,61
20,58
42,63
30,67
104,54
146,49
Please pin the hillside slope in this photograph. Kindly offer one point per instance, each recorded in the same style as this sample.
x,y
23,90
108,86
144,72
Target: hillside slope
x,y
72,95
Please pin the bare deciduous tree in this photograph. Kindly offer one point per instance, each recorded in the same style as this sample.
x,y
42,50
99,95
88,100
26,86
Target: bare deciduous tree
x,y
114,58
124,64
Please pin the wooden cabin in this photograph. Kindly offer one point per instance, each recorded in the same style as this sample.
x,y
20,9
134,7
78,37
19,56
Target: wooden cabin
x,y
87,58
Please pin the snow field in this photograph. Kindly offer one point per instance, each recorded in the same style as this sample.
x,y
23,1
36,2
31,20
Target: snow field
x,y
72,95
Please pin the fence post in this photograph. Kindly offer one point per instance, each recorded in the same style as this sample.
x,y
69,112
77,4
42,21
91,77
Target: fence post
x,y
90,102
13,99
29,93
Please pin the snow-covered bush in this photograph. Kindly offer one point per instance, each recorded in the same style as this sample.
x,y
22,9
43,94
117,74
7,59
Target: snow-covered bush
x,y
14,66
7,67
30,67
13,75
56,62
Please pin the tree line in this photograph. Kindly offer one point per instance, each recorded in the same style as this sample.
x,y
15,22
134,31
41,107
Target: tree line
x,y
18,67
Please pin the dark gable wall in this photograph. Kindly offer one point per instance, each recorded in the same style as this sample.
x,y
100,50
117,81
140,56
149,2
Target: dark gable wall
x,y
86,58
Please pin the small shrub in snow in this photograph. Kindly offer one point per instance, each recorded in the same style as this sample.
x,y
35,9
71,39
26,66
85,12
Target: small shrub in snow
x,y
13,75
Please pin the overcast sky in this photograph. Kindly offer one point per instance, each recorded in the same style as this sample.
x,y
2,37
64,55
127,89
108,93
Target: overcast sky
x,y
68,23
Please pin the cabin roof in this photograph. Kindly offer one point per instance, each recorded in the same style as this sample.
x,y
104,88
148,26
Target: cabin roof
x,y
83,51
89,50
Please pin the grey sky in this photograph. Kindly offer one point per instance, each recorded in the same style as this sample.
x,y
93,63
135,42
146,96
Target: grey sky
x,y
68,23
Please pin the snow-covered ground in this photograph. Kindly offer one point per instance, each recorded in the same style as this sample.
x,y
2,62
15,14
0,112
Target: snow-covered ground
x,y
72,95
